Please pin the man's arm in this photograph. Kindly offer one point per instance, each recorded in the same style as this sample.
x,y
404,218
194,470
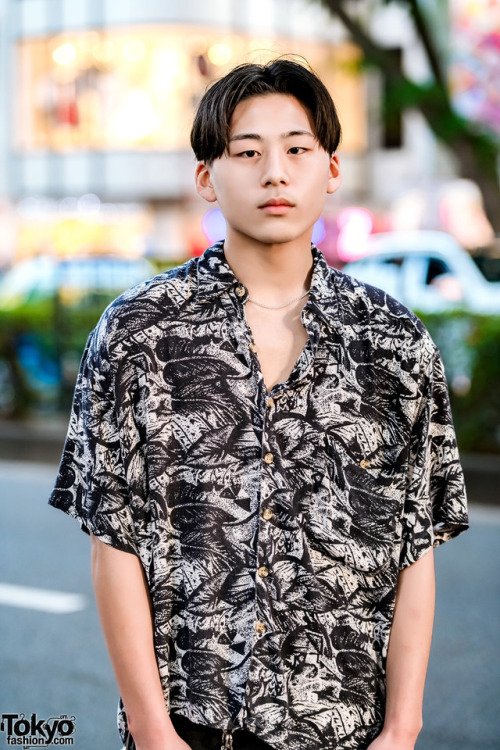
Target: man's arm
x,y
408,655
125,613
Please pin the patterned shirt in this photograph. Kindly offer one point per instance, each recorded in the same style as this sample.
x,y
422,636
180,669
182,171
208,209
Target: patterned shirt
x,y
271,526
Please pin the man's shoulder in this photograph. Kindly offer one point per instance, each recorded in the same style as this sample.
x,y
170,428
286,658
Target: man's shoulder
x,y
362,302
171,287
148,303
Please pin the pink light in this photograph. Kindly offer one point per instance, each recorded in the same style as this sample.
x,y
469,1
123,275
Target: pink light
x,y
355,226
213,225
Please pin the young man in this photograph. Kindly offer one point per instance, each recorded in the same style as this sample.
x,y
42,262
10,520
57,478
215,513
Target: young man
x,y
262,450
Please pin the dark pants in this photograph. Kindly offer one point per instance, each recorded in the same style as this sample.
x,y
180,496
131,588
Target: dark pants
x,y
199,737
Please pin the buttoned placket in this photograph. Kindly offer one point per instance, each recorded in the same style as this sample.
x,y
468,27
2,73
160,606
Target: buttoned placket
x,y
248,348
233,299
263,570
268,405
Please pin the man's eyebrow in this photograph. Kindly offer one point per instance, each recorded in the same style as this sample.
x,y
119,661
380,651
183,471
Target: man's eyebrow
x,y
257,137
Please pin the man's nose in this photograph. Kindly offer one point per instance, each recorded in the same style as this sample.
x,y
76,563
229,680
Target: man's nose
x,y
274,169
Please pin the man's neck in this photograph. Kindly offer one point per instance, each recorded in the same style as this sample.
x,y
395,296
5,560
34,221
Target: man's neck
x,y
271,273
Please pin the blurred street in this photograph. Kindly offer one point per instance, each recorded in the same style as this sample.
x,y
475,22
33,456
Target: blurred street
x,y
55,664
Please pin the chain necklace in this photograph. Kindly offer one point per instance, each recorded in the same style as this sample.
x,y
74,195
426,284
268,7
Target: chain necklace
x,y
277,307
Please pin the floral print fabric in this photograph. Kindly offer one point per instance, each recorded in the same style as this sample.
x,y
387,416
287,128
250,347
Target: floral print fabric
x,y
271,526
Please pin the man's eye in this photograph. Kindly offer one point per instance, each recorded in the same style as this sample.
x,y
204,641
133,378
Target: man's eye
x,y
251,152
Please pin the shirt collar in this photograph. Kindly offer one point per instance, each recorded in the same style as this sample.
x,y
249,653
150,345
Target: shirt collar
x,y
214,273
215,276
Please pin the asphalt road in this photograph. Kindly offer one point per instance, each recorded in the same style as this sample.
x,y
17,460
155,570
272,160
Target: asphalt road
x,y
54,663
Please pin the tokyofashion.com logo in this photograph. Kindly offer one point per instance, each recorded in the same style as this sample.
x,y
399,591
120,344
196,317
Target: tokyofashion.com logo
x,y
21,731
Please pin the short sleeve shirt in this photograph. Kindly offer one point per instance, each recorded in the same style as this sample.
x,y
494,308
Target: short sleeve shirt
x,y
271,526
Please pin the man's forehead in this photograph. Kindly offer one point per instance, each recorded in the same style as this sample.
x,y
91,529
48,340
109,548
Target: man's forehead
x,y
258,137
299,121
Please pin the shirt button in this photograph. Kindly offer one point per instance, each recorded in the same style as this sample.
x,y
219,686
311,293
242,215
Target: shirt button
x,y
252,347
240,290
267,514
364,463
263,571
269,402
260,627
269,458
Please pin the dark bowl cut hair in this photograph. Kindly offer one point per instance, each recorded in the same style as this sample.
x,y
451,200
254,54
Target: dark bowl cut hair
x,y
210,131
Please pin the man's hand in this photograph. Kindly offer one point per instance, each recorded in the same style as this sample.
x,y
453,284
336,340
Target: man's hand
x,y
389,741
159,737
174,743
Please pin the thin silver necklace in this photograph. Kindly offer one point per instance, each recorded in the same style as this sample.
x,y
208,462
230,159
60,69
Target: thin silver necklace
x,y
277,307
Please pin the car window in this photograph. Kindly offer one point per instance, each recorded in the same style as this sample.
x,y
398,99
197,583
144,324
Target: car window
x,y
436,267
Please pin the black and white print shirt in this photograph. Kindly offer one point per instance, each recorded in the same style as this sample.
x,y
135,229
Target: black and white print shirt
x,y
271,527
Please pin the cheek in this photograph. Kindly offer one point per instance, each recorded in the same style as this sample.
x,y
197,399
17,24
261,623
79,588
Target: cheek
x,y
319,168
225,195
318,189
223,184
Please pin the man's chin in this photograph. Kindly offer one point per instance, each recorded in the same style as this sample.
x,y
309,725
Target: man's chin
x,y
275,238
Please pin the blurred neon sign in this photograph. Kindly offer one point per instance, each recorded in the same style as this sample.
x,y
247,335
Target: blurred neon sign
x,y
355,226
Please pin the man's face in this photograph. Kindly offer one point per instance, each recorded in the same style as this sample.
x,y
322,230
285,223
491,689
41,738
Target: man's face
x,y
272,153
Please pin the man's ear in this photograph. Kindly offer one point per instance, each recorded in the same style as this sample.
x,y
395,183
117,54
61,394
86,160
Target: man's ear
x,y
204,185
334,178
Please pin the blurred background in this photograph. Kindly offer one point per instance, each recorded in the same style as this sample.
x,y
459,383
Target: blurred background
x,y
97,193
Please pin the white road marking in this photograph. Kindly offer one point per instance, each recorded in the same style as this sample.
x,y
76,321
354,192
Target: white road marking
x,y
44,600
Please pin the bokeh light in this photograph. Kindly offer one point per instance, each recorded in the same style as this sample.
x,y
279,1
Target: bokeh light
x,y
355,225
220,54
65,54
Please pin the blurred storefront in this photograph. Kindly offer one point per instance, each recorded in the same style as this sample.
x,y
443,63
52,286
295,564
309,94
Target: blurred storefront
x,y
100,96
102,100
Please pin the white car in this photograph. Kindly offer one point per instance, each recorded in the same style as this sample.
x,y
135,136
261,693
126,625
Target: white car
x,y
427,271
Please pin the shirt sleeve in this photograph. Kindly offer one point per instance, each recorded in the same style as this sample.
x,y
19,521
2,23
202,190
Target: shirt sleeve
x,y
436,501
91,484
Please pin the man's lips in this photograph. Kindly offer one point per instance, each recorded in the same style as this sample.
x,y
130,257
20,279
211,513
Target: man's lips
x,y
276,202
276,209
276,206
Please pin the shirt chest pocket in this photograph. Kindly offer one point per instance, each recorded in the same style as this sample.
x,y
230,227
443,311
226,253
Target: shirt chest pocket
x,y
351,515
